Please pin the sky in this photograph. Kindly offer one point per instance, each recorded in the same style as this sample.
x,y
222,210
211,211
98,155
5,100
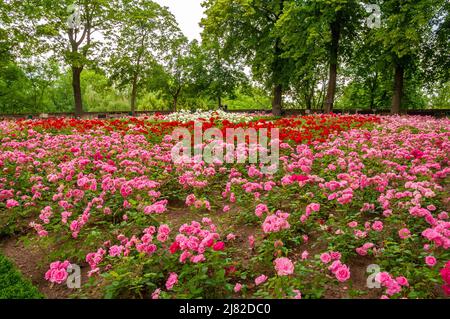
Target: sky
x,y
188,14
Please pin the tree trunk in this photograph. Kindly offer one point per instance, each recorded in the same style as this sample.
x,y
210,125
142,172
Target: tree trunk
x,y
277,99
309,104
310,97
175,99
133,96
41,96
175,102
331,91
76,85
320,100
335,36
398,89
219,100
277,70
372,101
372,91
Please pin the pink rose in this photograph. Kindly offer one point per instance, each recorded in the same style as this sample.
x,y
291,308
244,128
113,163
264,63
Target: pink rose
x,y
231,236
393,288
10,203
443,215
404,233
383,278
190,200
261,209
198,259
335,255
430,261
305,255
59,276
115,251
353,224
158,207
260,279
342,273
325,258
335,266
156,293
284,266
361,251
377,226
171,281
402,281
298,294
251,241
57,272
313,207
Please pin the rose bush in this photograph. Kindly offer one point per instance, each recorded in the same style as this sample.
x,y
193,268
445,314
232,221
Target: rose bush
x,y
351,191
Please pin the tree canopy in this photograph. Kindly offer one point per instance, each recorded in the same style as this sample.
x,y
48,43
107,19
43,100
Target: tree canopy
x,y
312,54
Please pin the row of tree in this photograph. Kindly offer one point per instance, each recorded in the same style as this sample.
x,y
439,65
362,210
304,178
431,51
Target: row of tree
x,y
288,43
137,43
300,50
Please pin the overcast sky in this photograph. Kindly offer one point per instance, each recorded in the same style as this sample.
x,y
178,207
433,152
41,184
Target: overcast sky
x,y
188,14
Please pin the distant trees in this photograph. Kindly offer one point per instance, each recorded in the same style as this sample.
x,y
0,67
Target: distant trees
x,y
406,26
139,33
436,50
63,29
248,31
218,76
286,42
318,33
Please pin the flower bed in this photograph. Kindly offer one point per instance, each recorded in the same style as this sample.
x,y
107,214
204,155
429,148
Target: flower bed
x,y
351,192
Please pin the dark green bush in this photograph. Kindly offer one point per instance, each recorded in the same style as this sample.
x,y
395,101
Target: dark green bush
x,y
13,285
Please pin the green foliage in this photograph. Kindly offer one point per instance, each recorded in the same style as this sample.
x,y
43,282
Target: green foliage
x,y
440,96
436,48
217,74
250,98
233,22
152,101
406,28
140,32
13,285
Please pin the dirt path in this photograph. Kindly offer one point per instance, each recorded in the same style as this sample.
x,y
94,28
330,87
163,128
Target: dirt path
x,y
29,260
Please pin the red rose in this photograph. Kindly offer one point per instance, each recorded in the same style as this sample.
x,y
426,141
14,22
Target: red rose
x,y
230,270
174,247
220,245
299,178
445,274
